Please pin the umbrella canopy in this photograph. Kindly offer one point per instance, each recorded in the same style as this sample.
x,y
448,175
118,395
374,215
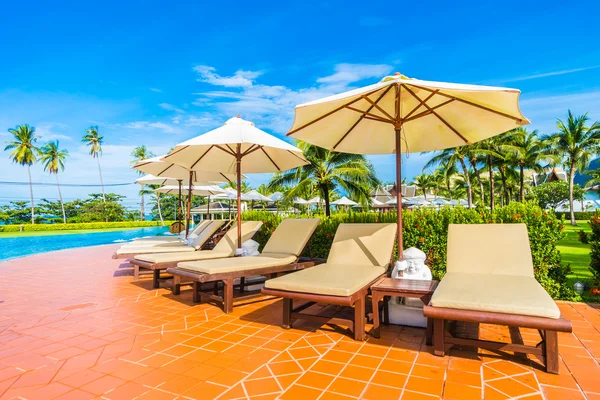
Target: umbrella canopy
x,y
299,200
314,201
438,201
344,201
164,169
253,195
236,147
277,196
423,115
196,190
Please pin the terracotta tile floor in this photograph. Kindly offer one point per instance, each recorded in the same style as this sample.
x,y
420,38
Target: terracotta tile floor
x,y
74,325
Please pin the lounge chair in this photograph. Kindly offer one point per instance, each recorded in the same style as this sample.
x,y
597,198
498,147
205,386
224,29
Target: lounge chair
x,y
161,261
280,254
196,243
359,256
489,279
154,240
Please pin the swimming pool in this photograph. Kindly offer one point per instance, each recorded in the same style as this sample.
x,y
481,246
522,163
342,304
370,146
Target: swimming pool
x,y
12,247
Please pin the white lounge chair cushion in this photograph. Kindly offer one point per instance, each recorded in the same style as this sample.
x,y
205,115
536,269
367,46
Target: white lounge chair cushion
x,y
156,249
238,264
291,236
328,279
186,256
508,294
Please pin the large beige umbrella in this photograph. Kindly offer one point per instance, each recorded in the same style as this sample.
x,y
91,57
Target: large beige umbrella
x,y
236,147
196,190
422,115
160,168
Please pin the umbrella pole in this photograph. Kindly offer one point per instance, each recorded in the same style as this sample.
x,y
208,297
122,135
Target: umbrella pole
x,y
399,190
179,205
238,171
208,208
187,222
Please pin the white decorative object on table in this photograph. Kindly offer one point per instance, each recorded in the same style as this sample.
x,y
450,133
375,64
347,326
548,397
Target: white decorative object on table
x,y
408,311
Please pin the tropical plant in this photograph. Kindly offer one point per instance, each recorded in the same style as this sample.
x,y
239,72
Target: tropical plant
x,y
53,159
552,194
24,152
327,172
576,143
424,182
448,159
142,153
94,141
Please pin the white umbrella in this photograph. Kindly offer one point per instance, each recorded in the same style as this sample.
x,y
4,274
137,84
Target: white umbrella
x,y
344,201
161,168
277,196
253,195
423,115
236,147
299,200
438,201
149,179
315,200
196,190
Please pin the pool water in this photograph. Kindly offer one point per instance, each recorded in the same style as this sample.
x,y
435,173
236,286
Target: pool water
x,y
23,246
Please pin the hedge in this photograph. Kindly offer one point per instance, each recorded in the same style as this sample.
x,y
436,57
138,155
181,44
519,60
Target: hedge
x,y
427,229
84,225
579,215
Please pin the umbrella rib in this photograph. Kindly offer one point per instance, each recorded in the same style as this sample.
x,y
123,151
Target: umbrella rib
x,y
369,115
519,120
224,176
420,104
225,150
428,111
329,113
201,157
251,150
438,116
361,118
374,104
175,152
296,155
270,159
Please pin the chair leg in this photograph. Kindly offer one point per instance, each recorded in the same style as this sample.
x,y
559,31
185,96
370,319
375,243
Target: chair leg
x,y
438,337
216,288
375,303
550,350
287,313
242,284
176,284
359,319
155,278
228,295
136,272
196,292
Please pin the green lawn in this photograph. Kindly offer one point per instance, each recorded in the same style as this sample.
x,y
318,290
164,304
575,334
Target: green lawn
x,y
576,253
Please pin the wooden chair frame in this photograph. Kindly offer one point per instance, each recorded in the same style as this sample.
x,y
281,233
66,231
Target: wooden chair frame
x,y
546,351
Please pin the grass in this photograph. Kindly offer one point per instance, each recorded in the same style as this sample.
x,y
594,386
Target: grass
x,y
576,253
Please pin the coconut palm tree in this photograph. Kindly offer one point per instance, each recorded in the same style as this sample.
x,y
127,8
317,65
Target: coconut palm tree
x,y
327,171
448,159
424,182
576,143
529,154
24,152
53,159
141,153
94,140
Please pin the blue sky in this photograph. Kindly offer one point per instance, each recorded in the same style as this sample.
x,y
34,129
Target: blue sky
x,y
158,73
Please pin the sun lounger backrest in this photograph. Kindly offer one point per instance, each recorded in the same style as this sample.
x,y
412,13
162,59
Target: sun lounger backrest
x,y
228,242
499,249
291,236
363,244
206,233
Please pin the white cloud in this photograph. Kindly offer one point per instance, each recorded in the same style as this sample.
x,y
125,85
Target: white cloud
x,y
171,107
146,125
48,131
272,106
241,78
155,90
542,75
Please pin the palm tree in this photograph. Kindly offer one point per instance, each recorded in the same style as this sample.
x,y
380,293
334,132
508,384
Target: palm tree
x,y
93,140
24,152
448,159
576,143
141,153
54,160
326,171
529,154
424,182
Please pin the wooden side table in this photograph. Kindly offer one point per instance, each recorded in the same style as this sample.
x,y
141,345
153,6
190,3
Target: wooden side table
x,y
387,287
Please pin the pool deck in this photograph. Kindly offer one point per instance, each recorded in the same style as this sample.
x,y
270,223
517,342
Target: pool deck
x,y
74,325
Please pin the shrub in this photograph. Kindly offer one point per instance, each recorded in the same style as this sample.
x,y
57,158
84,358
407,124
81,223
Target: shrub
x,y
594,239
72,226
427,229
583,236
579,215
